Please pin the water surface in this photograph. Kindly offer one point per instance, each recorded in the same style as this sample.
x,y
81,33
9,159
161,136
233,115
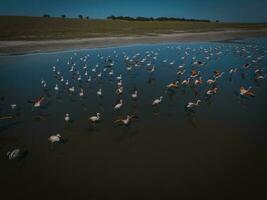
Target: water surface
x,y
217,151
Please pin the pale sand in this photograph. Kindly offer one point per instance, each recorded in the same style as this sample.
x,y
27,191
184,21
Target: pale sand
x,y
24,47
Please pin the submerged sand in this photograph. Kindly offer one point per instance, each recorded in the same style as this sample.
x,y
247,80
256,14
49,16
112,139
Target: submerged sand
x,y
24,47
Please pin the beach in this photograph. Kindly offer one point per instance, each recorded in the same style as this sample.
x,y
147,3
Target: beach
x,y
15,47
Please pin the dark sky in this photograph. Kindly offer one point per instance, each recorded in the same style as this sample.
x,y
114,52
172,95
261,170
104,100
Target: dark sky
x,y
225,10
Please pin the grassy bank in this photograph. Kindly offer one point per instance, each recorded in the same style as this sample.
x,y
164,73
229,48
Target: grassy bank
x,y
40,28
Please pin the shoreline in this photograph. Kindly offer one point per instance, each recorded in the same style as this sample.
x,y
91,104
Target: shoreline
x,y
8,48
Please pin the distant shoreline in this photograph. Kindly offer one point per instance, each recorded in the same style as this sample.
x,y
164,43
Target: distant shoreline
x,y
26,47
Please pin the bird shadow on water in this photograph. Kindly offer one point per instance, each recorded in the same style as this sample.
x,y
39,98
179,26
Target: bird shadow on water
x,y
9,125
127,133
171,94
41,116
191,117
92,128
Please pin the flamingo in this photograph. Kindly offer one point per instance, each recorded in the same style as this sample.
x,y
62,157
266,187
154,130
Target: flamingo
x,y
173,85
152,69
119,83
211,81
134,95
180,72
55,138
119,90
81,93
198,81
94,119
56,87
260,77
13,106
119,105
194,73
157,101
212,91
119,77
186,82
72,89
99,92
67,117
191,104
37,102
217,74
126,121
246,92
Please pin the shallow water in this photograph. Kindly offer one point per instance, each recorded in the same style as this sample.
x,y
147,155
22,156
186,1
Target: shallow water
x,y
218,151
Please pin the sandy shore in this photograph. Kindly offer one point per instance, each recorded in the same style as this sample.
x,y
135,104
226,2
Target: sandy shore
x,y
24,47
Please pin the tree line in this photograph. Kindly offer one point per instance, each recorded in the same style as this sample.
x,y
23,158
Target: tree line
x,y
127,18
112,17
64,16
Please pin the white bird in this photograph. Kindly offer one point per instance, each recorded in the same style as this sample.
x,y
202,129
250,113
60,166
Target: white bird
x,y
134,95
198,81
13,106
38,102
119,83
191,104
99,92
217,74
119,90
212,91
111,73
94,119
119,77
246,92
72,89
125,121
181,72
55,138
67,117
171,63
260,77
56,87
119,105
173,85
211,81
157,101
185,82
152,69
81,93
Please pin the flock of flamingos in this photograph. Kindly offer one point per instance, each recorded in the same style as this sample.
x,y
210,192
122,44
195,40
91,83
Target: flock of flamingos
x,y
82,73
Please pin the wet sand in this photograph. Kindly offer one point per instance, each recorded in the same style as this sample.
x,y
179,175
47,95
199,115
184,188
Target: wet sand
x,y
25,47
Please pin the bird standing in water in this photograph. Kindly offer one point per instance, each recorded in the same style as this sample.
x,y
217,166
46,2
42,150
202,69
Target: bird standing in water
x,y
125,121
95,119
246,92
157,101
191,104
55,138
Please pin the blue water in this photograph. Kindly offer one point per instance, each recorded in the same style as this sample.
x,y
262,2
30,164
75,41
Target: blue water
x,y
167,152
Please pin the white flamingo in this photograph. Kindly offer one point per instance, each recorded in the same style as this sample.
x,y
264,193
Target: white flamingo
x,y
94,119
55,138
119,105
157,101
191,104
